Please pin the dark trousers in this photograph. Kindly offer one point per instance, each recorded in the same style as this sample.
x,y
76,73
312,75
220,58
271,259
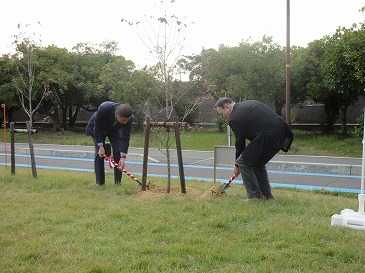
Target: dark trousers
x,y
251,164
99,162
255,180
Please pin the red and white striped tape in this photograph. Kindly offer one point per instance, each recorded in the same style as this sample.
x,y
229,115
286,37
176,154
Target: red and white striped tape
x,y
113,164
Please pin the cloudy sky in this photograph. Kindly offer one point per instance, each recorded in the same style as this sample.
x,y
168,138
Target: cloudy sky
x,y
68,22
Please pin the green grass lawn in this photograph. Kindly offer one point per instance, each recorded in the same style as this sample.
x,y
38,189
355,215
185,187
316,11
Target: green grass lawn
x,y
305,142
63,222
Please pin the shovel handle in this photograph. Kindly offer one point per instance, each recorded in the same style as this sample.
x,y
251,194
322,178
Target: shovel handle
x,y
110,159
131,176
226,186
231,179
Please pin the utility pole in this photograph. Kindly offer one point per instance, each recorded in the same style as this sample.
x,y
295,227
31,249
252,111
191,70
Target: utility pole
x,y
287,118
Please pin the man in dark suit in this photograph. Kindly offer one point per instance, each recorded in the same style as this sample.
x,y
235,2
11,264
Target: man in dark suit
x,y
112,120
267,132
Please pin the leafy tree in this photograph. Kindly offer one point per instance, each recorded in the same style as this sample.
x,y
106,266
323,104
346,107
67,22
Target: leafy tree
x,y
270,72
332,72
116,75
248,71
125,84
297,88
218,66
344,67
86,85
187,106
309,74
8,93
54,66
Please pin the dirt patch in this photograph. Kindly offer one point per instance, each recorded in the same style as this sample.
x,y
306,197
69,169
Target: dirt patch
x,y
175,192
216,192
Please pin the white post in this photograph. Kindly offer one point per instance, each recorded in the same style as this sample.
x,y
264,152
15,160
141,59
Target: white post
x,y
361,196
229,135
348,217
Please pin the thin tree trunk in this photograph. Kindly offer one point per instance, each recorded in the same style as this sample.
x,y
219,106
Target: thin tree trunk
x,y
64,117
73,116
344,120
56,121
278,106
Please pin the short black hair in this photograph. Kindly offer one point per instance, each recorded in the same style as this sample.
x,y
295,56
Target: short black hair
x,y
223,101
124,110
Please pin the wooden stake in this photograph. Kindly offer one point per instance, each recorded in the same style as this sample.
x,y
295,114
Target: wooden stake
x,y
145,153
31,150
12,147
179,158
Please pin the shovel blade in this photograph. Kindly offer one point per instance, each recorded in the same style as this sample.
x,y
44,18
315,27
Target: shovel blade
x,y
218,192
221,190
225,186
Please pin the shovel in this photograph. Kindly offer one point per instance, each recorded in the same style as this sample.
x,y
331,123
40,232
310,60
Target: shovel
x,y
221,189
108,157
112,164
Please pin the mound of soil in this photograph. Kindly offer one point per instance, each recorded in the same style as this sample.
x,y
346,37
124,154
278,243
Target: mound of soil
x,y
176,192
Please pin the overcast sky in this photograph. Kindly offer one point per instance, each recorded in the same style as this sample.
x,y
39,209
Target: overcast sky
x,y
68,22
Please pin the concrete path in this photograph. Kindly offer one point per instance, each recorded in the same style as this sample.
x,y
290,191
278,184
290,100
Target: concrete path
x,y
307,172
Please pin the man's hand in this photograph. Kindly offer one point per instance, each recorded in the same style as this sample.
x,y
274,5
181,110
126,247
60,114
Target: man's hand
x,y
101,152
121,163
236,171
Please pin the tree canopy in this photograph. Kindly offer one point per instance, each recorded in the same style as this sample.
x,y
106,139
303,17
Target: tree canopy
x,y
329,70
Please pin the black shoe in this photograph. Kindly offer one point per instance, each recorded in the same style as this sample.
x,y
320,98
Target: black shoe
x,y
255,198
268,197
100,184
117,182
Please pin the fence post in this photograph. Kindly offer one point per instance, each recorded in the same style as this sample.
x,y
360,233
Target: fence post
x,y
145,153
12,147
179,158
4,124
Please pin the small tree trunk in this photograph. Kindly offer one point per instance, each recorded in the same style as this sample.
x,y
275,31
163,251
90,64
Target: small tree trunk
x,y
64,117
278,106
344,120
56,120
331,112
73,116
31,120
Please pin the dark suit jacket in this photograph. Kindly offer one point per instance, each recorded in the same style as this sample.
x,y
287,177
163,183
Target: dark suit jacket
x,y
255,121
104,122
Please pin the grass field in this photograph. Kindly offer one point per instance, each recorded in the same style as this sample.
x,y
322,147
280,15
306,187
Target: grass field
x,y
62,222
